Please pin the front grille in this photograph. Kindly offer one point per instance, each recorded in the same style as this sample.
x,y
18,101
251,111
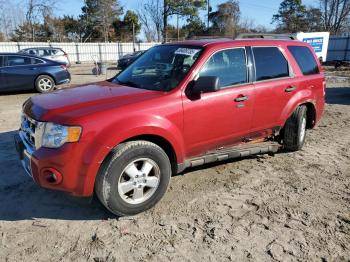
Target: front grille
x,y
28,127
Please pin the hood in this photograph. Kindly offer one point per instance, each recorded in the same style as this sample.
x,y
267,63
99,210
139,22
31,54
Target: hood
x,y
86,99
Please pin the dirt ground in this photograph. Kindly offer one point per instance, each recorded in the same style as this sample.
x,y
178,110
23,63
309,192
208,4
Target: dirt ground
x,y
287,207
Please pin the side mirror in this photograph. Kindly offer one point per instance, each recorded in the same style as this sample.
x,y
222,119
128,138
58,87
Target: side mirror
x,y
205,84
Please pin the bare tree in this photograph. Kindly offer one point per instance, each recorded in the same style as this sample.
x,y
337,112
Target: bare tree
x,y
335,15
151,17
107,12
10,18
36,11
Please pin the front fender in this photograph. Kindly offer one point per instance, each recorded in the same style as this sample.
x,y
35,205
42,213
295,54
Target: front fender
x,y
124,129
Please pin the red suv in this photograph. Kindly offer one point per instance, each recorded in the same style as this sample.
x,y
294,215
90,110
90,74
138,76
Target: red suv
x,y
179,105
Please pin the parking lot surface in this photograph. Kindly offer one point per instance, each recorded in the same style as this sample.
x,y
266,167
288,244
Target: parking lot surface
x,y
290,206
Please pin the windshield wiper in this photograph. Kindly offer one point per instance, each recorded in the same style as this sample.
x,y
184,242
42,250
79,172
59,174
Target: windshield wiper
x,y
128,83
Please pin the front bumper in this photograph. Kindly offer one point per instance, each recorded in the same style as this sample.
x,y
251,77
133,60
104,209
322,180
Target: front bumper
x,y
24,152
66,163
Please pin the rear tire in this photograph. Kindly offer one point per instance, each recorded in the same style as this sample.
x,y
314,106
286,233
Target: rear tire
x,y
295,130
133,178
44,84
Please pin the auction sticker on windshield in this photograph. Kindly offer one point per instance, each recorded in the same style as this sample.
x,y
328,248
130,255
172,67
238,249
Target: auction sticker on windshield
x,y
186,51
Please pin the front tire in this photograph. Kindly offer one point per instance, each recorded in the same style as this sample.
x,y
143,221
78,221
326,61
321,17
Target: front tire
x,y
133,178
295,130
44,84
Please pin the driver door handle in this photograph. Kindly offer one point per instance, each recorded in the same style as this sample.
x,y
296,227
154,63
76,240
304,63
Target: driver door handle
x,y
241,98
290,89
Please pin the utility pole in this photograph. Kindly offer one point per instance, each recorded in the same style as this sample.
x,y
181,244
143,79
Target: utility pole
x,y
133,36
208,2
165,20
177,27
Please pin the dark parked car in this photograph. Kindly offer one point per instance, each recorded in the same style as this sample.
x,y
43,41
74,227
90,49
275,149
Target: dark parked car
x,y
126,60
21,72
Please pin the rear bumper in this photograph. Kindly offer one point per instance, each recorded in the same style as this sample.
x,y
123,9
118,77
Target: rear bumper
x,y
63,77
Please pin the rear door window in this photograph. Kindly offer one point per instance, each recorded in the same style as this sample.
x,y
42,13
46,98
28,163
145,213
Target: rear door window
x,y
305,59
229,65
13,60
270,63
44,52
36,61
32,52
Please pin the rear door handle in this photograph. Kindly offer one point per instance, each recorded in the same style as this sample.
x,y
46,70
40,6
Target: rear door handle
x,y
290,89
241,98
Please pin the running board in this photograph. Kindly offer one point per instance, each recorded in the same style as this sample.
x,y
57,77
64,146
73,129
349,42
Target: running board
x,y
233,152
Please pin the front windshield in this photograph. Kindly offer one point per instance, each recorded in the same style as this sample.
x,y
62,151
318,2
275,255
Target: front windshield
x,y
161,68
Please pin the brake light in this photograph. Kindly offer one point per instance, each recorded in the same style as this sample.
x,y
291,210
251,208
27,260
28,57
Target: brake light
x,y
64,67
324,88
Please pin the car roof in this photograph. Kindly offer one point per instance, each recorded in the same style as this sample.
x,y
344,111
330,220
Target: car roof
x,y
238,42
21,54
32,56
43,47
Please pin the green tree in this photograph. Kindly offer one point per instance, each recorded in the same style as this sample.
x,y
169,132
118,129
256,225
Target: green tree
x,y
226,19
290,17
26,32
97,18
313,19
194,27
184,8
72,28
124,28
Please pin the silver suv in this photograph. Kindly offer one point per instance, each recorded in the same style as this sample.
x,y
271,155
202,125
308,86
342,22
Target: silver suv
x,y
52,53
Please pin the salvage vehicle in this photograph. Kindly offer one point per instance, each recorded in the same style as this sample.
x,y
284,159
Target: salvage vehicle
x,y
179,105
27,72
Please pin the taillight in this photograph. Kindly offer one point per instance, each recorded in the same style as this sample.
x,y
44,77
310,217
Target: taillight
x,y
324,88
64,67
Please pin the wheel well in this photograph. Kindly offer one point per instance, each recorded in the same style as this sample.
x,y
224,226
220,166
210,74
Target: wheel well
x,y
44,74
161,142
310,115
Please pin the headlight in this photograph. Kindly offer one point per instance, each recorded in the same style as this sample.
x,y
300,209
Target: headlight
x,y
54,136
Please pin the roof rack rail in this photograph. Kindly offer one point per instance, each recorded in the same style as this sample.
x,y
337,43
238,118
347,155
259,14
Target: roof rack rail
x,y
208,37
266,36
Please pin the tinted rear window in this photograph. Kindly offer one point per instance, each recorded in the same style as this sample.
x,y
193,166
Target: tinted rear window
x,y
270,63
305,59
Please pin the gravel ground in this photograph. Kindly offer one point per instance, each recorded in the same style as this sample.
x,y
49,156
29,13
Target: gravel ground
x,y
286,207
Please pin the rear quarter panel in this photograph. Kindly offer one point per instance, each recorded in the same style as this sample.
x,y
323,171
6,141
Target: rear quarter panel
x,y
312,87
